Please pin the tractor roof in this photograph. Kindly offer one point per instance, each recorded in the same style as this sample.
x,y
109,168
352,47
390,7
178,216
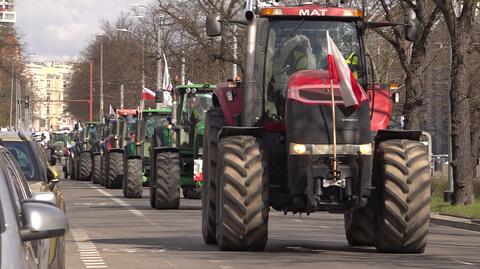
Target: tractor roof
x,y
207,87
162,110
126,112
311,10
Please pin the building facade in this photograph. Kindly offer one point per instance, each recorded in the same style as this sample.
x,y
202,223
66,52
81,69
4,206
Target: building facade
x,y
48,81
8,16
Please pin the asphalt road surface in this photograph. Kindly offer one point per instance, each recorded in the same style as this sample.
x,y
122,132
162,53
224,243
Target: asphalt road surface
x,y
110,231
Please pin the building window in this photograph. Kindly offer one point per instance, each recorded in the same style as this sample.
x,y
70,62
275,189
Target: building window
x,y
48,83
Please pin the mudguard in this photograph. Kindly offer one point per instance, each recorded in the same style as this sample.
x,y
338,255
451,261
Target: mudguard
x,y
383,135
227,131
115,150
157,150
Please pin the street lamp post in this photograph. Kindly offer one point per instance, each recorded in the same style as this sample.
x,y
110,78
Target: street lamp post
x,y
159,53
142,102
100,115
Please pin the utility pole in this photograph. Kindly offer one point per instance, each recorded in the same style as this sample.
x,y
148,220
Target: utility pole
x,y
183,63
142,102
235,48
91,91
159,67
17,106
121,96
11,99
100,115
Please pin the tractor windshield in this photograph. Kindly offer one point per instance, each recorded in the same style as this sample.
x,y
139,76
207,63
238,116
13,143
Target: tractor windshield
x,y
59,137
152,121
295,45
194,109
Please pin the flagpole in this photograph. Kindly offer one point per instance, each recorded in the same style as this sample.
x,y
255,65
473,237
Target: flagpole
x,y
334,132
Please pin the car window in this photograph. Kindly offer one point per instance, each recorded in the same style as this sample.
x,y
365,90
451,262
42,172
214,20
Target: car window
x,y
14,189
21,152
17,173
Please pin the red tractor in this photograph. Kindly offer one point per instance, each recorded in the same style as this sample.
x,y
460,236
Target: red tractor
x,y
269,140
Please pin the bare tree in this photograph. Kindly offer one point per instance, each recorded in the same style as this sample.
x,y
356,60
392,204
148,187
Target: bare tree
x,y
411,56
461,33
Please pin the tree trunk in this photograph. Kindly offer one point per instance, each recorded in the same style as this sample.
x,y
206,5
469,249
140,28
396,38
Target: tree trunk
x,y
413,107
461,140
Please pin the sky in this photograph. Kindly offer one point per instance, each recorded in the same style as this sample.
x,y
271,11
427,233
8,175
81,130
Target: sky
x,y
60,29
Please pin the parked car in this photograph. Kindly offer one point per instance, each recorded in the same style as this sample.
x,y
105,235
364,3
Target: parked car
x,y
41,177
27,219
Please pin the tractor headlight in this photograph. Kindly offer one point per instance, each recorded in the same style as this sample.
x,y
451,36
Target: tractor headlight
x,y
299,148
365,149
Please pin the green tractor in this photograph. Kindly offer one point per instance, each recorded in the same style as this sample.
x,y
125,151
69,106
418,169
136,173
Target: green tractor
x,y
178,161
86,142
59,143
137,149
112,163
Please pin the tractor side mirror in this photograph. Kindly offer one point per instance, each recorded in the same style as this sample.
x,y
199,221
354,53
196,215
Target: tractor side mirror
x,y
213,25
411,30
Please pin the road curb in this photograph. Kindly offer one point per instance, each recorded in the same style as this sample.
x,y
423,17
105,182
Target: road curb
x,y
455,222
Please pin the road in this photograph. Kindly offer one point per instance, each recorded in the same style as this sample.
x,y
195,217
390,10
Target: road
x,y
109,231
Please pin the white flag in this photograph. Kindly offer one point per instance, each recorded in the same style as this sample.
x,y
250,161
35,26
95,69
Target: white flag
x,y
352,92
167,84
111,111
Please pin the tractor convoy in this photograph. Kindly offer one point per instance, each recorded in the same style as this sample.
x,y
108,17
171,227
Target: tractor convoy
x,y
157,148
285,138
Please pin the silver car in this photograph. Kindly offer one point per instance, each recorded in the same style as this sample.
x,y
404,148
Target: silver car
x,y
26,219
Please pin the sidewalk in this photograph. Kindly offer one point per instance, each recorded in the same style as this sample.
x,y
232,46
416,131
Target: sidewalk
x,y
462,223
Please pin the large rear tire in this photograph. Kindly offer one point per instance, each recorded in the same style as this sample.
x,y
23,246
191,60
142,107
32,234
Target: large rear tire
x,y
103,170
152,195
97,163
114,175
359,227
76,170
243,205
214,121
192,192
132,183
85,165
167,178
404,212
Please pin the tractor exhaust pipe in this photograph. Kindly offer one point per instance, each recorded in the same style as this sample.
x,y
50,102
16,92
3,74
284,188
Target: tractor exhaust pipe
x,y
248,119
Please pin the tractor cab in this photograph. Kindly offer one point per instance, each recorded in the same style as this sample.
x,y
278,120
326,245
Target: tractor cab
x,y
194,102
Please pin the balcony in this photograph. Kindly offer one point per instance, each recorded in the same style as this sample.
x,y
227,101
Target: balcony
x,y
8,16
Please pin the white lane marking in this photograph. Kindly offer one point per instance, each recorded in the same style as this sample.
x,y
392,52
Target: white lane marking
x,y
462,262
128,206
88,251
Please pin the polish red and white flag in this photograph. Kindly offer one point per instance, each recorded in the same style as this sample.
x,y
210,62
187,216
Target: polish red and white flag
x,y
351,91
148,94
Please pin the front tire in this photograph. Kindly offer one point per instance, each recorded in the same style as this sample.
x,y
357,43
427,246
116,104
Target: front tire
x,y
243,205
85,165
114,173
132,184
214,121
96,169
359,227
404,212
167,178
103,170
